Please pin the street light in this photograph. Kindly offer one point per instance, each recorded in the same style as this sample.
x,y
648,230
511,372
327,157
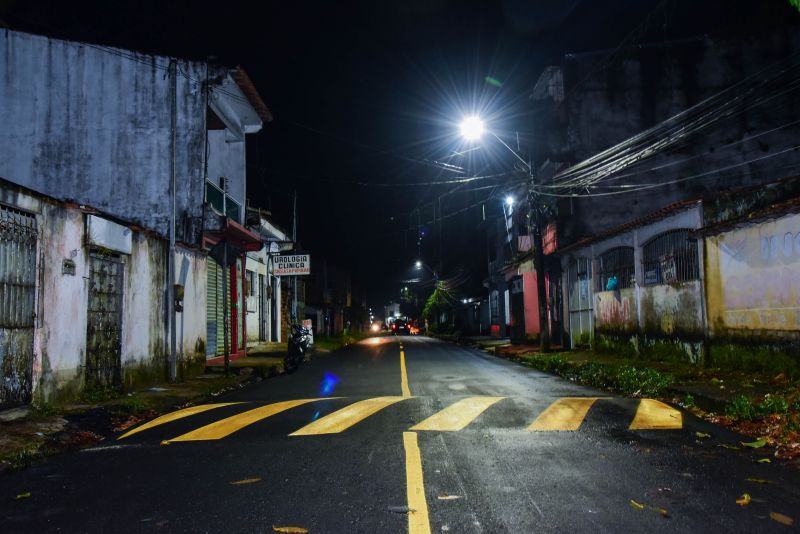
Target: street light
x,y
420,265
471,127
510,200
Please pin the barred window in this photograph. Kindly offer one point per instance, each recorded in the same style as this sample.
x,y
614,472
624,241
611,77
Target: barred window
x,y
616,262
670,257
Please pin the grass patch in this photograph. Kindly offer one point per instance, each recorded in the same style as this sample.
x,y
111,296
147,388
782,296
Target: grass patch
x,y
746,409
626,379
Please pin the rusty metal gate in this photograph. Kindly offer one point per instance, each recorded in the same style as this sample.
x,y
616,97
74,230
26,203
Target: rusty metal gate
x,y
104,329
17,298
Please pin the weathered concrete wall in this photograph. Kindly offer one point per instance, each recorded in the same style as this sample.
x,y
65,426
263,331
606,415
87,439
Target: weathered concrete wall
x,y
753,280
60,329
144,334
85,124
644,86
673,309
191,271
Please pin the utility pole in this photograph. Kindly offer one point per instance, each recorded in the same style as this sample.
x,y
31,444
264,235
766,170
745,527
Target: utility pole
x,y
538,260
171,322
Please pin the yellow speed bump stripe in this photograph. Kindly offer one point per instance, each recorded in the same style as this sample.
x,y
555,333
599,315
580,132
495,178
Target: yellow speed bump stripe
x,y
173,416
564,414
418,522
229,425
655,415
457,415
343,419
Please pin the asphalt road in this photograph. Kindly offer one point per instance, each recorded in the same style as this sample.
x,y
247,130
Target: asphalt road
x,y
466,441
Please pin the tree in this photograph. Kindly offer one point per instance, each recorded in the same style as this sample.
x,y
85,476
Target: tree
x,y
439,302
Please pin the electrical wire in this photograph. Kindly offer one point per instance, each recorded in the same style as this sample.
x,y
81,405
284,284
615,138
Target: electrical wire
x,y
636,188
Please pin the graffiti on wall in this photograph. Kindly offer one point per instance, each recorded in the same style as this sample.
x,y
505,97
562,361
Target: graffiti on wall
x,y
613,309
759,274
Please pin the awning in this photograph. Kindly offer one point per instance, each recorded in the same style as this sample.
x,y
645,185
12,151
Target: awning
x,y
237,235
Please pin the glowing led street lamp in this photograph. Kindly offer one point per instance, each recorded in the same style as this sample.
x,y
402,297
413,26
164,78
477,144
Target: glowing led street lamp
x,y
471,128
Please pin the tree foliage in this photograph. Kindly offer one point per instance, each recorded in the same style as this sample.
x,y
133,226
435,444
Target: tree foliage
x,y
795,3
438,302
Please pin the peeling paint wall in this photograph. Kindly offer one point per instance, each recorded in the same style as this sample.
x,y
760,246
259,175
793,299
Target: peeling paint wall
x,y
753,279
85,124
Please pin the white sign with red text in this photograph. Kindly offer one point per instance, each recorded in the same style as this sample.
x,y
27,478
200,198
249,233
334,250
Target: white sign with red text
x,y
292,264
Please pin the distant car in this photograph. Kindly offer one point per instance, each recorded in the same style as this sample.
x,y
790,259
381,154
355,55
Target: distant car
x,y
399,326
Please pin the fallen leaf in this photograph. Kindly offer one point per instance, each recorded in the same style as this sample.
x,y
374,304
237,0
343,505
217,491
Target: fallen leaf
x,y
165,442
729,446
759,481
637,505
290,530
449,497
782,519
702,435
757,444
662,511
744,500
24,495
764,461
246,481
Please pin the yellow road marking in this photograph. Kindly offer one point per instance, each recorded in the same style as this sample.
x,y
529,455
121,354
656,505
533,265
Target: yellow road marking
x,y
174,416
403,375
343,419
655,415
418,522
457,415
564,414
229,425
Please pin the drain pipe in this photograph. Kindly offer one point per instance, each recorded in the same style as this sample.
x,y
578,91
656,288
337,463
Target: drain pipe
x,y
173,101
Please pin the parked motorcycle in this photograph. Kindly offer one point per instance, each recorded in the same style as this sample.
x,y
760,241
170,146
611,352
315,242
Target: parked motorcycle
x,y
299,341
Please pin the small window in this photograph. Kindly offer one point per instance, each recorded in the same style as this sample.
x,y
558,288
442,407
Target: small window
x,y
616,263
670,257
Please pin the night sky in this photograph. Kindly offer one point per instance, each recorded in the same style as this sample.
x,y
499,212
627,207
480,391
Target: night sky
x,y
367,98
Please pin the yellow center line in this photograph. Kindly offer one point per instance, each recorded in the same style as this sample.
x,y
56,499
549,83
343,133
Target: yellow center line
x,y
564,414
343,419
655,415
174,416
418,522
457,415
404,375
229,425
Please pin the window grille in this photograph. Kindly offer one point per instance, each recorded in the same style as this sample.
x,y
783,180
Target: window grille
x,y
670,257
617,262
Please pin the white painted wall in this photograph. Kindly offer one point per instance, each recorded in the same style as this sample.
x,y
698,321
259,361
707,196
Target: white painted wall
x,y
191,271
227,158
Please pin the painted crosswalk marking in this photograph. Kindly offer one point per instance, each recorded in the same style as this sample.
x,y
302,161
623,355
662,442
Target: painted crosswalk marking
x,y
655,415
458,415
564,414
229,425
174,416
343,419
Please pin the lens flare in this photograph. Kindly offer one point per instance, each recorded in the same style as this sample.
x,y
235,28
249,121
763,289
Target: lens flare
x,y
329,382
